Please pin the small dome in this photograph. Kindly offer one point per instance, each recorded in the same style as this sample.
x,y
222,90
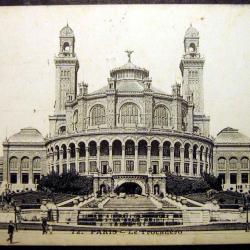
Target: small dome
x,y
27,135
231,136
66,31
192,32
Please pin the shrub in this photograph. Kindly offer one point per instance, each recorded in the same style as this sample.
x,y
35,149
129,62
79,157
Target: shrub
x,y
212,181
179,185
66,183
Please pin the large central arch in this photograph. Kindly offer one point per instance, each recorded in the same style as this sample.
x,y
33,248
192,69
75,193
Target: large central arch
x,y
131,185
129,188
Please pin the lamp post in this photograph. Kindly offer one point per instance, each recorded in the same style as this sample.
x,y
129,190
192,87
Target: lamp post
x,y
16,209
246,199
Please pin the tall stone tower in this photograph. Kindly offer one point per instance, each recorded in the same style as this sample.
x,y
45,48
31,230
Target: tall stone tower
x,y
67,66
66,70
191,67
192,70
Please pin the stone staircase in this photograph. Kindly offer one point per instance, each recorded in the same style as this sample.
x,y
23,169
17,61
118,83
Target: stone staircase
x,y
139,202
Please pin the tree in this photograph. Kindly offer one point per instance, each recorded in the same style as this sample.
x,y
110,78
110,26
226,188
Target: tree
x,y
179,185
66,183
212,181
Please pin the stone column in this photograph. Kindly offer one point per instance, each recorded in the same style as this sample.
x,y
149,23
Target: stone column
x,y
19,172
110,158
123,159
182,161
136,160
239,173
210,163
171,159
203,160
54,161
87,160
191,161
148,158
60,161
227,174
160,158
51,160
77,160
198,162
98,159
30,171
68,158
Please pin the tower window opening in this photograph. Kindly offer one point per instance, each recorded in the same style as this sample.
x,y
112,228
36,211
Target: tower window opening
x,y
192,48
66,47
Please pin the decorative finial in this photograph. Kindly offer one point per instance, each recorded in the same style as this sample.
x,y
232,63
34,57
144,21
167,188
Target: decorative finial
x,y
190,24
67,23
129,52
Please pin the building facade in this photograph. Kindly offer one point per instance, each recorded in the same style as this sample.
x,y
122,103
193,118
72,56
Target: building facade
x,y
231,158
127,133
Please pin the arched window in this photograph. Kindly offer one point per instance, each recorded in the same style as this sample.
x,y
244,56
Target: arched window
x,y
195,147
206,155
129,114
244,163
155,148
142,147
166,149
66,47
221,163
233,163
192,47
177,149
186,150
72,148
130,147
82,150
25,163
117,148
97,115
13,163
201,153
64,148
36,163
104,148
57,152
161,116
92,148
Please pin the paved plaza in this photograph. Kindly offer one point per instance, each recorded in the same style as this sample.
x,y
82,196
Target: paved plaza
x,y
126,238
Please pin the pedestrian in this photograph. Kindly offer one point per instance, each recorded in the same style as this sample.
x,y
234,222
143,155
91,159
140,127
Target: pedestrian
x,y
50,229
44,225
11,231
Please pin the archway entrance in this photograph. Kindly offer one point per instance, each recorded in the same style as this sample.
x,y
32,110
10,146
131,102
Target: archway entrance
x,y
129,188
103,189
156,189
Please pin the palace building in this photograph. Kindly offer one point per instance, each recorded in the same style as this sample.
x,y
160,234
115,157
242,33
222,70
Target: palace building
x,y
127,134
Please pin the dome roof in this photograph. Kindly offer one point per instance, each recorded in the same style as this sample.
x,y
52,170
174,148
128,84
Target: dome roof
x,y
128,86
66,31
129,66
27,135
231,136
129,78
192,32
129,70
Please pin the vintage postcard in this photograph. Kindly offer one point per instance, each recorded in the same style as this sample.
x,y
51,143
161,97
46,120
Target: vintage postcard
x,y
124,125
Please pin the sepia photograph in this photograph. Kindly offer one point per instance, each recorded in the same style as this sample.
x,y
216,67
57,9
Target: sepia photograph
x,y
124,125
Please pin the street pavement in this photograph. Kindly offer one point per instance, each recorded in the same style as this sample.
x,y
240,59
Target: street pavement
x,y
28,237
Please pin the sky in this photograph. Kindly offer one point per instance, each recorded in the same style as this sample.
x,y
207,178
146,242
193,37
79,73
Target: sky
x,y
30,40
